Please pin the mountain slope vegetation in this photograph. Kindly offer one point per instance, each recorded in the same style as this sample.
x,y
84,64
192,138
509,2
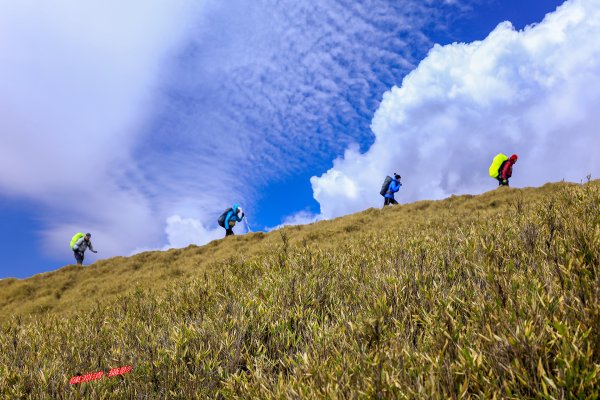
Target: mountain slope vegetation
x,y
495,295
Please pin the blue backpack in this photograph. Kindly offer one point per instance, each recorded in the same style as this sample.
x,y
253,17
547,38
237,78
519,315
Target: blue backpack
x,y
221,219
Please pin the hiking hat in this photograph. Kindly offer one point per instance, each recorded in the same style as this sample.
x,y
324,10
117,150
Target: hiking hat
x,y
88,235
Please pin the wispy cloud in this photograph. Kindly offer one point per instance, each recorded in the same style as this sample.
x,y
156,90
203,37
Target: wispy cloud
x,y
533,92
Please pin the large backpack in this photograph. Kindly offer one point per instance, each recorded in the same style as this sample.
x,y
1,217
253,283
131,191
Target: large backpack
x,y
75,238
221,219
386,185
496,164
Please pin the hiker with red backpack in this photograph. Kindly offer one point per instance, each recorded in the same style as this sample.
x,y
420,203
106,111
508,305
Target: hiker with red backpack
x,y
228,219
389,188
501,168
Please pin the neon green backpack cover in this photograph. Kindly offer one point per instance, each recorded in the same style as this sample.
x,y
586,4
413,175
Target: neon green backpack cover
x,y
75,238
496,163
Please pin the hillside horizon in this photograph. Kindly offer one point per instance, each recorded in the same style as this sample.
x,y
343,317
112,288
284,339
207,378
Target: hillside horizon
x,y
270,230
250,244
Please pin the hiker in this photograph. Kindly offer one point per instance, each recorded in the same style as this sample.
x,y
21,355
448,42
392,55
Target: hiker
x,y
81,245
392,187
228,219
505,170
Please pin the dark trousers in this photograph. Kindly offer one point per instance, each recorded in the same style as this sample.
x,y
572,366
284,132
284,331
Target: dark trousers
x,y
389,202
229,232
78,257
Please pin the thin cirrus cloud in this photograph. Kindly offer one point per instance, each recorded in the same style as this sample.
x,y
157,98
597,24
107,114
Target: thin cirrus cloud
x,y
275,85
534,92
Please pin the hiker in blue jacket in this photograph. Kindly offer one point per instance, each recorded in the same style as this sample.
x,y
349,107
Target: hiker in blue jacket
x,y
392,188
230,217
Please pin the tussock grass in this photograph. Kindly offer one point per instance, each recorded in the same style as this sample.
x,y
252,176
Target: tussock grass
x,y
473,296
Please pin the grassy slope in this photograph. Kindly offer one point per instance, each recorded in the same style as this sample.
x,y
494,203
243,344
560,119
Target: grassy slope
x,y
73,288
490,294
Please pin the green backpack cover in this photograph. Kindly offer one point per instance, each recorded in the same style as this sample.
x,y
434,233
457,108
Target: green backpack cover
x,y
496,163
75,238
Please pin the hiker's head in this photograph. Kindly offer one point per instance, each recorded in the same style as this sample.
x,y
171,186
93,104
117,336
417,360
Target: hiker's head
x,y
398,177
513,159
240,211
88,236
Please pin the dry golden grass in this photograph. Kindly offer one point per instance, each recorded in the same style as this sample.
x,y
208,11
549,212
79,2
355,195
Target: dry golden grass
x,y
74,288
479,296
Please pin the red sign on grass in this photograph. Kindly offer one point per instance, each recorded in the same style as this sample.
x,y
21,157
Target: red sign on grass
x,y
93,376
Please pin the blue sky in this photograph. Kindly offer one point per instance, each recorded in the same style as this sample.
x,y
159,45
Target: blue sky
x,y
140,124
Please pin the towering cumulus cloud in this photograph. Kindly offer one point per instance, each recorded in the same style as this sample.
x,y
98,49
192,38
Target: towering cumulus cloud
x,y
534,92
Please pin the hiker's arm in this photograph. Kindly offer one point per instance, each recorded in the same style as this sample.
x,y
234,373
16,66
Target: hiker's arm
x,y
92,248
505,171
227,218
77,244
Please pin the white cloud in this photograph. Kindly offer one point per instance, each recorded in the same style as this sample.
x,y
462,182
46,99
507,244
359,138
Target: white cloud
x,y
77,80
534,92
182,232
299,218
